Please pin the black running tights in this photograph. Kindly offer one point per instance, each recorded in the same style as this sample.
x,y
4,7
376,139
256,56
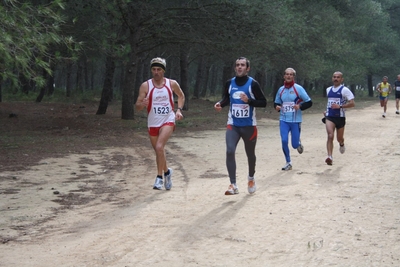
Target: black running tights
x,y
233,135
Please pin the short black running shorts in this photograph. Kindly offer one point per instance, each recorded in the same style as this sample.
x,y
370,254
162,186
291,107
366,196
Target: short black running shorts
x,y
339,122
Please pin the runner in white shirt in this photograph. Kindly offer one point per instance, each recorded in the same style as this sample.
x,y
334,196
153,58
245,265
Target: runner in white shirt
x,y
339,98
156,95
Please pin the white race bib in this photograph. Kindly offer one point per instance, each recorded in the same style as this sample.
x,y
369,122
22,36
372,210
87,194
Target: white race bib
x,y
240,110
332,100
288,107
160,110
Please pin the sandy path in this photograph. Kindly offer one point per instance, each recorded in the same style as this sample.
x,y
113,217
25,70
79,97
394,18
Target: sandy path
x,y
347,214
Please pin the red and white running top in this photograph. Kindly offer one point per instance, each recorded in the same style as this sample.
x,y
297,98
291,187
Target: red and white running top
x,y
161,104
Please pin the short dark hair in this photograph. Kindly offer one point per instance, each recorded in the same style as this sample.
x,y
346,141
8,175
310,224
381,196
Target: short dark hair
x,y
247,61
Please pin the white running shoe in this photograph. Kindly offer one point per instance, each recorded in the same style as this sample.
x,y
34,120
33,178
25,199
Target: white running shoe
x,y
168,180
158,184
251,185
397,112
342,148
232,190
384,115
287,167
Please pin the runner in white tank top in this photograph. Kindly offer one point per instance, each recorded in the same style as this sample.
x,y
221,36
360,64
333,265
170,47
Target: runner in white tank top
x,y
338,99
156,95
161,104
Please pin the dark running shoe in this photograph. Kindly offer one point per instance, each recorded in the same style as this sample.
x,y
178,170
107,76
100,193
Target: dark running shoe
x,y
329,161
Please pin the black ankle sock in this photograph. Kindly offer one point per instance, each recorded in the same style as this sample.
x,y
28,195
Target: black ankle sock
x,y
167,172
159,176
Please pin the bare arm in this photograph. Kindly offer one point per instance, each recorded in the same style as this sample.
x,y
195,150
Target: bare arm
x,y
181,98
349,104
378,88
142,100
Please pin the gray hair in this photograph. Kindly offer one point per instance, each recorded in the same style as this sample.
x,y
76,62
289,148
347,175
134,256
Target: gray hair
x,y
292,70
158,62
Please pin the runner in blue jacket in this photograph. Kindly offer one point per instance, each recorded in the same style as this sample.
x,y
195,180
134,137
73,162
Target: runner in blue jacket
x,y
290,100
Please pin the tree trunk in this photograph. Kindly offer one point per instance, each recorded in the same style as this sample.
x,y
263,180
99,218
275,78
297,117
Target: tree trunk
x,y
370,85
269,83
92,74
316,85
49,87
199,78
227,73
1,83
127,111
215,81
121,77
139,77
50,84
42,92
24,82
277,84
79,71
68,85
106,94
184,66
324,89
206,71
86,73
261,78
306,85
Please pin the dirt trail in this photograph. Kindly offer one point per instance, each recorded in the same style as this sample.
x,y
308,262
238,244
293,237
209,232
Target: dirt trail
x,y
107,214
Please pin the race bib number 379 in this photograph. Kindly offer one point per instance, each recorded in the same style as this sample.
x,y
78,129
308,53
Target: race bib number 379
x,y
288,107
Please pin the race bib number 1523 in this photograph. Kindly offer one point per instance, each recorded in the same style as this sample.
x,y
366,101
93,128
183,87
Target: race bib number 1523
x,y
161,110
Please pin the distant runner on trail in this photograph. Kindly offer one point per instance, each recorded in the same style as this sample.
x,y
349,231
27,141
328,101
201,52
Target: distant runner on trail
x,y
397,90
242,94
156,95
384,88
339,98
